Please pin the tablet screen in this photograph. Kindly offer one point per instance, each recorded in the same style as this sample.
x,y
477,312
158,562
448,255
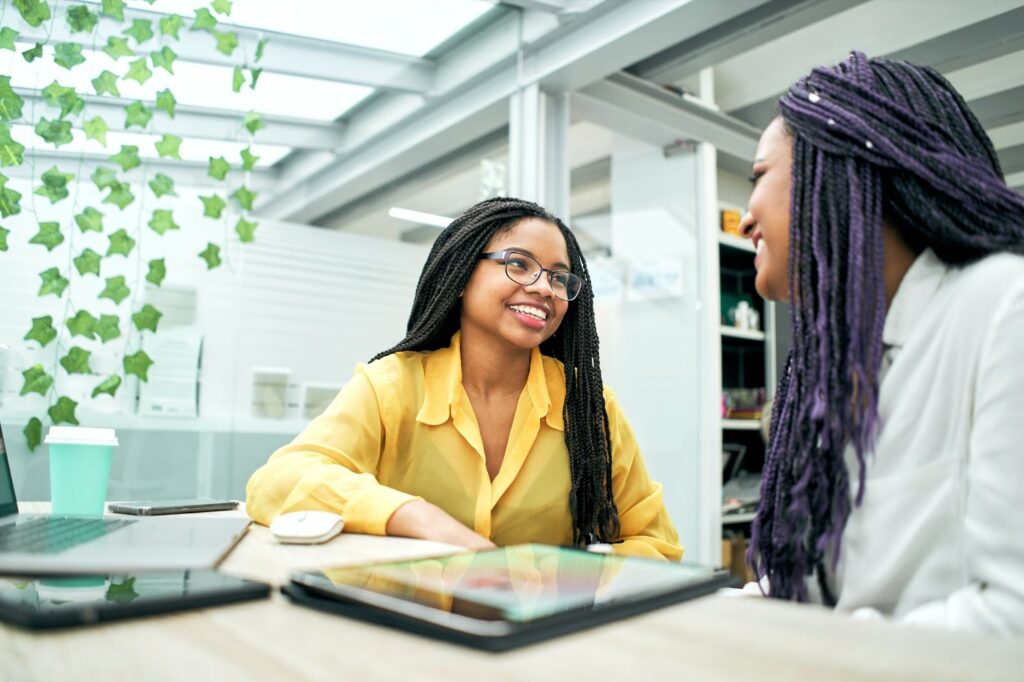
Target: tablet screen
x,y
520,583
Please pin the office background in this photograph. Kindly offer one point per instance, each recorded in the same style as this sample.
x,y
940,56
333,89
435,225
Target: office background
x,y
635,120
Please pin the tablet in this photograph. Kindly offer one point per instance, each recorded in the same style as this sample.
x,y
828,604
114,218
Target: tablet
x,y
503,598
55,602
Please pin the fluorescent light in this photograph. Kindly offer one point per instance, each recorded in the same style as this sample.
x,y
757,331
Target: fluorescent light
x,y
419,217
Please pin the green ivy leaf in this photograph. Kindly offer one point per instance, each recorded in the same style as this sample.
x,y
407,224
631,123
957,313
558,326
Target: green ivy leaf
x,y
245,230
138,364
65,99
213,205
165,101
90,220
124,592
118,47
221,6
127,158
157,271
7,37
113,8
138,71
219,167
169,146
33,53
164,59
49,235
249,159
163,221
11,151
53,283
10,102
34,12
9,199
147,318
244,197
137,114
108,327
87,262
68,55
170,25
115,290
226,41
36,380
162,185
106,84
64,411
204,21
211,254
56,132
254,75
120,195
55,185
42,330
76,361
253,122
237,79
3,238
80,19
120,243
259,48
33,433
141,30
82,324
108,386
96,129
103,177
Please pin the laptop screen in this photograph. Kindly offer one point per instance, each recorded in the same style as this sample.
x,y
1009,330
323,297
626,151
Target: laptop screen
x,y
8,502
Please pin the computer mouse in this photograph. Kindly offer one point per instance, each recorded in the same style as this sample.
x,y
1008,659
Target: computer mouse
x,y
306,527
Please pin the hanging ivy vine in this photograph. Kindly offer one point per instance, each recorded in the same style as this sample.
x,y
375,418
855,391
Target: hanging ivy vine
x,y
139,46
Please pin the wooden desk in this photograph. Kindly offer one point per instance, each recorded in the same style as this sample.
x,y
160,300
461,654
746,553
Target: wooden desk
x,y
715,638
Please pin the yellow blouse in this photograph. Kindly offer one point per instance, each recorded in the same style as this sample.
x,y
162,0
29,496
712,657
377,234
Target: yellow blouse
x,y
403,428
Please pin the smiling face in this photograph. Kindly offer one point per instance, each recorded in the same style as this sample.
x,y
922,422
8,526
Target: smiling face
x,y
516,315
766,222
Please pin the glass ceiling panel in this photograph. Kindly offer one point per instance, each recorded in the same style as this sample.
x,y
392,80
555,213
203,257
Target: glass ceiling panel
x,y
410,27
191,149
193,84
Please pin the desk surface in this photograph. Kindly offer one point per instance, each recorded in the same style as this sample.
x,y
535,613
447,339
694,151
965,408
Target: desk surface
x,y
715,638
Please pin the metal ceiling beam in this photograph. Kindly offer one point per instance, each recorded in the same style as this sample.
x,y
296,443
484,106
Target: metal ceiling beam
x,y
285,53
208,124
610,37
1016,181
757,27
184,173
1012,158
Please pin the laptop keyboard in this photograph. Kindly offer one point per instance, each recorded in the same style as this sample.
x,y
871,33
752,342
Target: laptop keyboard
x,y
54,534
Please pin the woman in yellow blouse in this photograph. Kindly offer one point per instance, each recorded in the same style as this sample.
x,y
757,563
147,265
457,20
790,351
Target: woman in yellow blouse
x,y
489,422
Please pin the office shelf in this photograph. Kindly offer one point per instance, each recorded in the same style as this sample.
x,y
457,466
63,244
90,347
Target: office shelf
x,y
741,424
747,334
735,519
734,242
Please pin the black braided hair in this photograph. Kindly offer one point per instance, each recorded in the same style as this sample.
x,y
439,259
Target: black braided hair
x,y
435,317
872,140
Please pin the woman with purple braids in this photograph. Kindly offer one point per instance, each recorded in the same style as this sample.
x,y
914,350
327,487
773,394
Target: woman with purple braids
x,y
894,479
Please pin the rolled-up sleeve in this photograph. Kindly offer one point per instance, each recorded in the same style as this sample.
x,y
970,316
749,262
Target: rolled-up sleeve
x,y
645,527
331,466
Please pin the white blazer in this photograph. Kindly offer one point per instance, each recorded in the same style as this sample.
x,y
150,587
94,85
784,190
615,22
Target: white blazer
x,y
939,537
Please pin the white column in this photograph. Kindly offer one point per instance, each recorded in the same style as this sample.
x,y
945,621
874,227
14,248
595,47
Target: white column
x,y
538,167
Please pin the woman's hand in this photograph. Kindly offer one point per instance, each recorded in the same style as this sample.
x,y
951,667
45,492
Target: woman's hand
x,y
420,519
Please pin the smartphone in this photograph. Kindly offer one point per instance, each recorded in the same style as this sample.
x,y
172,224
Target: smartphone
x,y
158,507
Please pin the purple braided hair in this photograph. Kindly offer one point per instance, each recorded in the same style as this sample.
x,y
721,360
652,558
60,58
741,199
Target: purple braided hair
x,y
871,138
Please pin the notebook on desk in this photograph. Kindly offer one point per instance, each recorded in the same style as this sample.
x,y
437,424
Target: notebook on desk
x,y
45,544
503,598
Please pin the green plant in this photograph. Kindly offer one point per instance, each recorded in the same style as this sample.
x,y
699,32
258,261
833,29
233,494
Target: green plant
x,y
139,48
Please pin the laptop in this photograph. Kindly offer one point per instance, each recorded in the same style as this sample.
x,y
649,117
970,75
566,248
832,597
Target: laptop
x,y
503,598
45,544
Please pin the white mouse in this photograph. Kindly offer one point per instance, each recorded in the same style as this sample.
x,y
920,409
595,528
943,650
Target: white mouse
x,y
306,527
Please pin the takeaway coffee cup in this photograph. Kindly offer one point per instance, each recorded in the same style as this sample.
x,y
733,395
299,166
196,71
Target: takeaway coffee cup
x,y
79,469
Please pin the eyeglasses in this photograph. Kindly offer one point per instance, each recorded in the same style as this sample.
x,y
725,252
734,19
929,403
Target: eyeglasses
x,y
523,269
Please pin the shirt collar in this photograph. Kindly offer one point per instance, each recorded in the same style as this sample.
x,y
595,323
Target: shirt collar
x,y
443,390
915,292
